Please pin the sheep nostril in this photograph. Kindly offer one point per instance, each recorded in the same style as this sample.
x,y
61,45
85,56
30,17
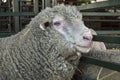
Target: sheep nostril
x,y
89,38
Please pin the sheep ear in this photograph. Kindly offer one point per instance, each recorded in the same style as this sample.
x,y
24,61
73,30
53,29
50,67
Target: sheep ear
x,y
44,25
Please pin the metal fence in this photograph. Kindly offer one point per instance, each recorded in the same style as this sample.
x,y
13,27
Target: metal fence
x,y
89,10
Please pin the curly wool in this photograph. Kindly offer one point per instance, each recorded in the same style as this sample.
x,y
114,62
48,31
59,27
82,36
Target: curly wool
x,y
34,54
68,12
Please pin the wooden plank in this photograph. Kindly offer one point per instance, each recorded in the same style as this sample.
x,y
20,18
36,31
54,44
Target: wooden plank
x,y
98,5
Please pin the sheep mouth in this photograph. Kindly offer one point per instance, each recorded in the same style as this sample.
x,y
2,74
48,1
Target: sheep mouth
x,y
83,49
83,46
78,49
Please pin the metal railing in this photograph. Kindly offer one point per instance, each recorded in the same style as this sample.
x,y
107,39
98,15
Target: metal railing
x,y
108,39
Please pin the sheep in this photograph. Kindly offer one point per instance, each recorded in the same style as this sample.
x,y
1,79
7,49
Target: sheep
x,y
93,72
44,50
89,71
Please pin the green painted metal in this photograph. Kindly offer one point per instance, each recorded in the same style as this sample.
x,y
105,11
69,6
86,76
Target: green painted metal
x,y
5,34
17,14
112,46
109,65
104,4
95,20
84,14
36,6
47,3
108,32
108,39
100,14
33,14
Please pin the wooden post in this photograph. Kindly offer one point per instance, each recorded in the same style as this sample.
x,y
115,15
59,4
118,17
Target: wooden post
x,y
16,18
36,10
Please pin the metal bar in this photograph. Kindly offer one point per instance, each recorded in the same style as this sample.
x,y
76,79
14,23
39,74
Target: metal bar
x,y
47,3
109,65
84,14
43,4
5,34
109,32
16,18
108,39
94,20
97,5
112,46
17,14
54,2
98,32
26,5
10,20
36,10
100,14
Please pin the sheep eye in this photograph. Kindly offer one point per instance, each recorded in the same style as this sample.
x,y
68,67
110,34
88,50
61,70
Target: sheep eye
x,y
56,23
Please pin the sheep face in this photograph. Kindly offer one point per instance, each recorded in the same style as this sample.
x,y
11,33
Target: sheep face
x,y
74,31
72,28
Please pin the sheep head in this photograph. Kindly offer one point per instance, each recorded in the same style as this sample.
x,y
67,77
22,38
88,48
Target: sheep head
x,y
67,20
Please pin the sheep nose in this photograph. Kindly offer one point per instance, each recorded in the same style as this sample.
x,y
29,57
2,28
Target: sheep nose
x,y
87,36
